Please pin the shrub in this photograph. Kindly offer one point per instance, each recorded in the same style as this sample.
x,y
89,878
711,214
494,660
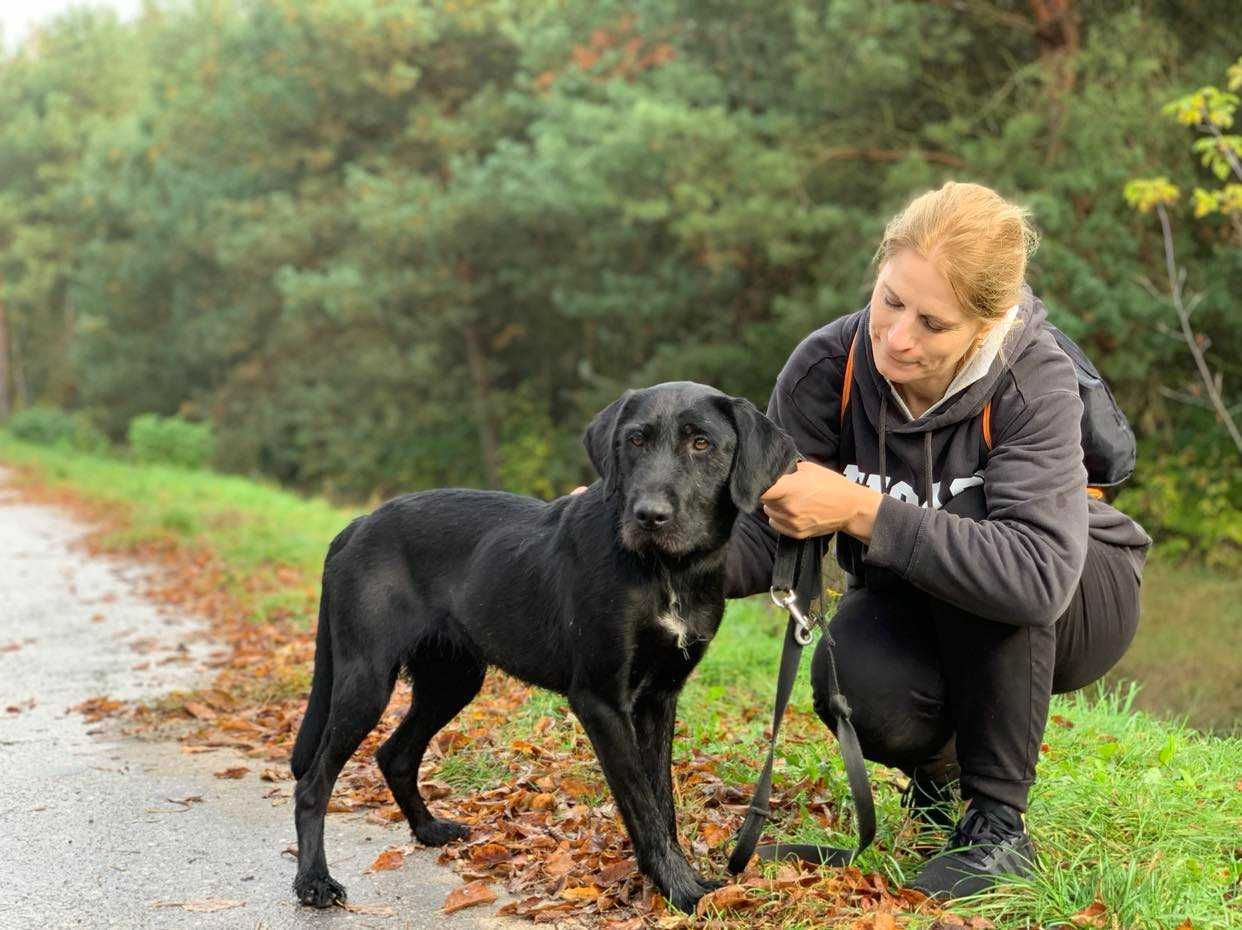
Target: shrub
x,y
51,426
1185,500
171,441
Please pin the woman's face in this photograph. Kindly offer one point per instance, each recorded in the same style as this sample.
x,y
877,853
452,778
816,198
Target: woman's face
x,y
919,332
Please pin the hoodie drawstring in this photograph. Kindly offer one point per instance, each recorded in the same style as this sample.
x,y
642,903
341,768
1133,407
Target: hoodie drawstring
x,y
927,469
883,442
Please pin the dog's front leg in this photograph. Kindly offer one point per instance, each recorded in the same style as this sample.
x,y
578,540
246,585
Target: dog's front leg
x,y
655,716
660,858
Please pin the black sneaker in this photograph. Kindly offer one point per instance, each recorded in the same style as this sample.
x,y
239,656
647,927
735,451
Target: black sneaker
x,y
989,843
930,803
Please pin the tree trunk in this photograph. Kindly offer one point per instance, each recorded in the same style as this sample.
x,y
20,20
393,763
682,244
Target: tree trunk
x,y
1057,31
477,362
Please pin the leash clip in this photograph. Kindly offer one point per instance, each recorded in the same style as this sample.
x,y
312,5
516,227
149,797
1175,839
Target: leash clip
x,y
804,626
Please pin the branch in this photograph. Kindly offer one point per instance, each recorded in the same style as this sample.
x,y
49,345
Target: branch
x,y
1227,149
1190,399
1175,289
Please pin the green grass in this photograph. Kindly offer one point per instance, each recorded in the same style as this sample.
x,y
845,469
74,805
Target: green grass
x,y
251,525
1140,813
1186,652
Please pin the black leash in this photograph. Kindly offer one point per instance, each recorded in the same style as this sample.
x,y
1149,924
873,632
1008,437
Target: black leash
x,y
795,585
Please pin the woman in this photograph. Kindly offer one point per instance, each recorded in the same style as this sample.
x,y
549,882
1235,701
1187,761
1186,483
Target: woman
x,y
982,577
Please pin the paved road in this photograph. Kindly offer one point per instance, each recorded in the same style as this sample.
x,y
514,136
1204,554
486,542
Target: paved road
x,y
88,834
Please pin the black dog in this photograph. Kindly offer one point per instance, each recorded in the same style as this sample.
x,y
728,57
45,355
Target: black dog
x,y
609,597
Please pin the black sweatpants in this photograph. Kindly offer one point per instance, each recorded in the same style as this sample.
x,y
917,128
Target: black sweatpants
x,y
934,687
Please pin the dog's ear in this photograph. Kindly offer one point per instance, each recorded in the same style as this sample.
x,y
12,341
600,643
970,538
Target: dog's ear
x,y
764,453
603,444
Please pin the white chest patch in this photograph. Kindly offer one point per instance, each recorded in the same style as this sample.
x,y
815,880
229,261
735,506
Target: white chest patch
x,y
671,619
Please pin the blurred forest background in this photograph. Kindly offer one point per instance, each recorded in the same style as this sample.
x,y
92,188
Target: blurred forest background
x,y
362,247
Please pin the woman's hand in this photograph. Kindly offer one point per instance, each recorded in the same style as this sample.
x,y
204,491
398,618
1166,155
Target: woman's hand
x,y
815,500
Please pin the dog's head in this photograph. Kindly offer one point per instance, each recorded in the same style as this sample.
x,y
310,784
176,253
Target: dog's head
x,y
684,459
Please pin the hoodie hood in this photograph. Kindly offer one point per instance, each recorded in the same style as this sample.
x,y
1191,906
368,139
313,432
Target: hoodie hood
x,y
1004,536
969,401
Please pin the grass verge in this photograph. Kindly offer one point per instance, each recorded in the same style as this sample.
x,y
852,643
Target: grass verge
x,y
1136,818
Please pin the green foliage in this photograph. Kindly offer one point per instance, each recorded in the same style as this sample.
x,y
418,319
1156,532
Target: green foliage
x,y
381,247
1144,194
170,441
1187,499
1209,110
51,426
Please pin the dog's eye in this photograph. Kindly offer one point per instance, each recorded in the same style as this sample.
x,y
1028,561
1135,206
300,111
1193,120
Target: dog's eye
x,y
702,443
637,439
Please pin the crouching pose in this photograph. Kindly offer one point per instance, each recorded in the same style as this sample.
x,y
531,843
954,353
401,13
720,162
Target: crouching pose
x,y
942,427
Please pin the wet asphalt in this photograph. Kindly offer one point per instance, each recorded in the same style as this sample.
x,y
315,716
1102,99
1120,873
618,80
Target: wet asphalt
x,y
98,829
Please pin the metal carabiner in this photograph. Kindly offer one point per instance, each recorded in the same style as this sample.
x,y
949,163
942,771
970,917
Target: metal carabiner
x,y
804,627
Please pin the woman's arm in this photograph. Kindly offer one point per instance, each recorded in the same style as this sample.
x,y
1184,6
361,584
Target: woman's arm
x,y
1022,563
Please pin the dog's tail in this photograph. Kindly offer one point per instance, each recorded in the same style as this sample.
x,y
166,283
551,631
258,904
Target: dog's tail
x,y
317,706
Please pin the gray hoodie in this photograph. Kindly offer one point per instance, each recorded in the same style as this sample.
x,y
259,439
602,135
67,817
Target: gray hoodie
x,y
1005,535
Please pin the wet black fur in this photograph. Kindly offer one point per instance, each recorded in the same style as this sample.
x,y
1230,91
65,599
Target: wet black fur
x,y
566,595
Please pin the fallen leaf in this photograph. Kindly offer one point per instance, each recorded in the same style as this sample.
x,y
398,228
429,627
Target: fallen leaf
x,y
1094,914
615,872
883,920
560,863
434,790
386,861
1062,722
239,771
581,893
714,833
199,711
725,898
489,853
543,802
468,896
577,788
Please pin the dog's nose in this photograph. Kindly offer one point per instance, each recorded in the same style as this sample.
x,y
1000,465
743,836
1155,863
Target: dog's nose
x,y
653,514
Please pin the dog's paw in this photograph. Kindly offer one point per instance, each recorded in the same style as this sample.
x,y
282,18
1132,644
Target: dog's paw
x,y
685,891
685,899
710,884
438,832
319,892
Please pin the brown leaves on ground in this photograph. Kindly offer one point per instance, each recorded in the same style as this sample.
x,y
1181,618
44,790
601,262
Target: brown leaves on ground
x,y
469,895
388,860
547,832
96,708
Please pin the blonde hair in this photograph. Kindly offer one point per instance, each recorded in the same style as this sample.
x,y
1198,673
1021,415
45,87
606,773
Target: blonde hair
x,y
978,240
